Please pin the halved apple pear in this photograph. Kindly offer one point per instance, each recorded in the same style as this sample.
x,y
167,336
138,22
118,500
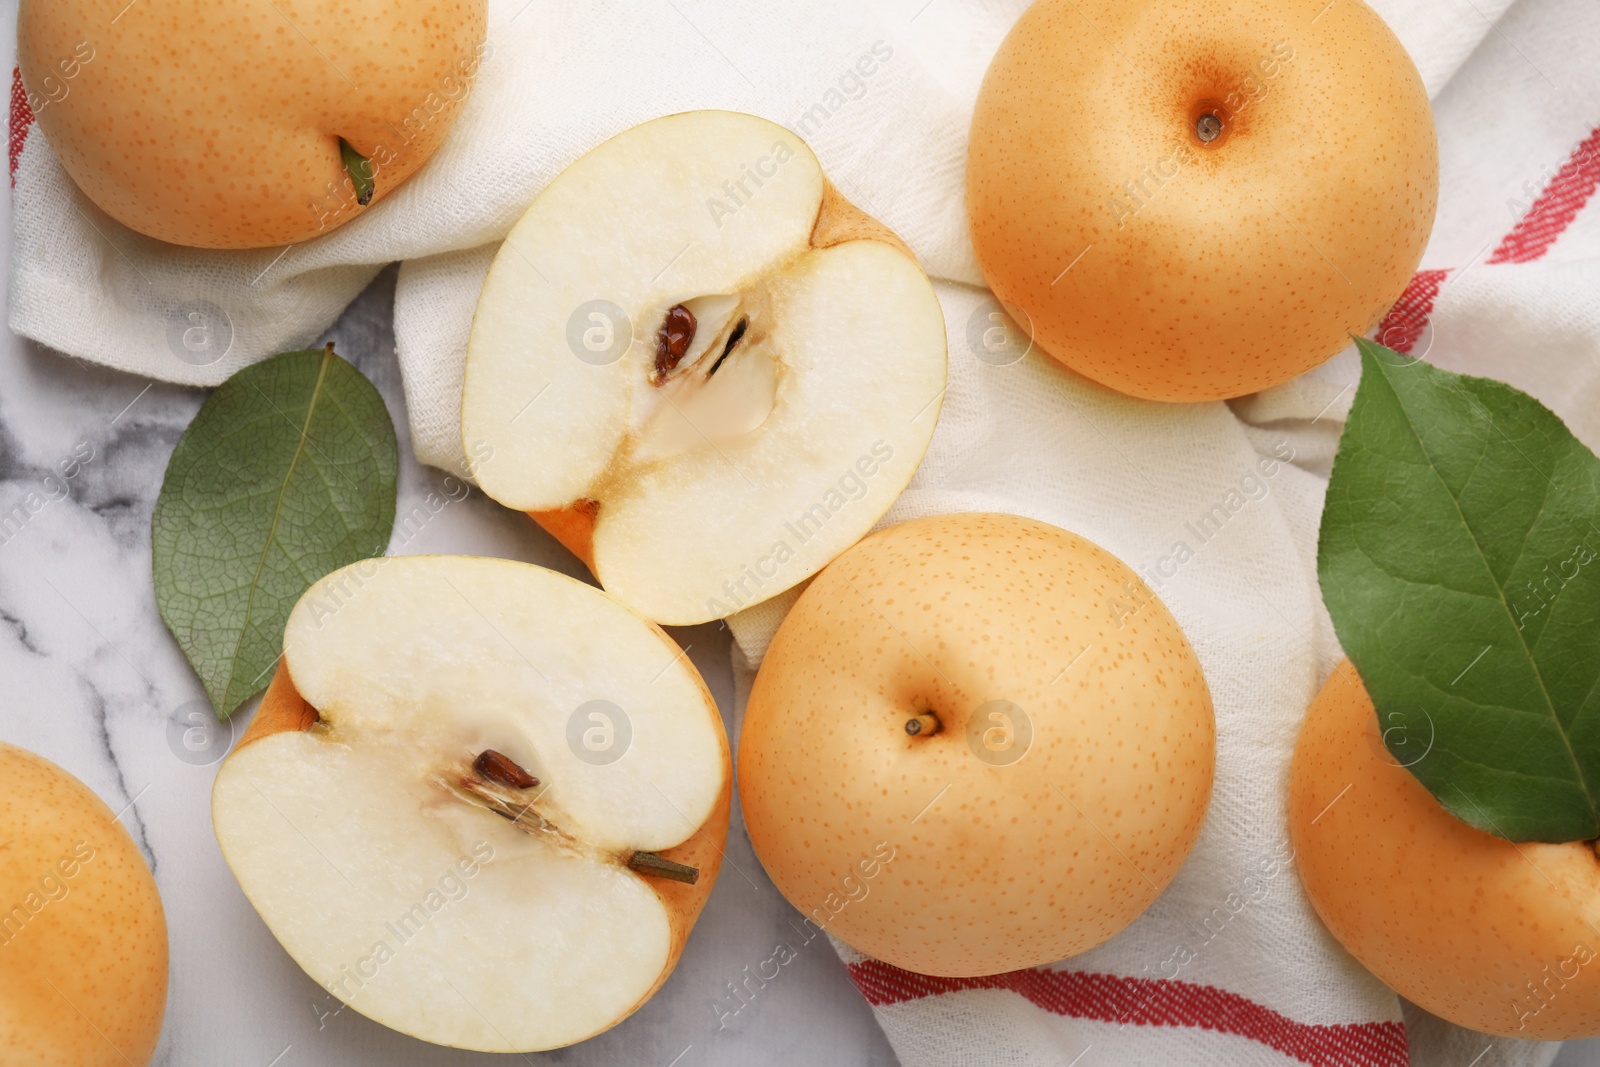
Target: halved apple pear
x,y
482,803
700,367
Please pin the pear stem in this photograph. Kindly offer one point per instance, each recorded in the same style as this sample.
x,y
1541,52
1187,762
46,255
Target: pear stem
x,y
924,725
660,867
359,167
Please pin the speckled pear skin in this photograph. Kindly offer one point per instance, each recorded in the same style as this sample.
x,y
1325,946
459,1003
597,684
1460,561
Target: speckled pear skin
x,y
83,938
1493,936
217,124
939,853
1175,269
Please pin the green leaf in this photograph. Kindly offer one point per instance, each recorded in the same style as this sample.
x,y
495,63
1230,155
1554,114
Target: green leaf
x,y
286,474
1460,562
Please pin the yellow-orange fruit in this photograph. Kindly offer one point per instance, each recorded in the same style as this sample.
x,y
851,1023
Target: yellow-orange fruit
x,y
218,124
574,771
283,708
1195,199
1060,768
1491,935
83,939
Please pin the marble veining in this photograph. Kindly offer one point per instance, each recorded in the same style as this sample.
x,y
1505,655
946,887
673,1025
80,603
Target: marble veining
x,y
95,683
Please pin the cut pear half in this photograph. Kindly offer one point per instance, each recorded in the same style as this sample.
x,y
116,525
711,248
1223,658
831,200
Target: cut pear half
x,y
700,367
482,803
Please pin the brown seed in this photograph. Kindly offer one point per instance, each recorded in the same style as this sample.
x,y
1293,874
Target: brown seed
x,y
673,340
498,767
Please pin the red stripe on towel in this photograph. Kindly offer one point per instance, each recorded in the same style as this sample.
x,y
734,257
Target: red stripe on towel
x,y
1155,1002
21,119
1409,315
1554,209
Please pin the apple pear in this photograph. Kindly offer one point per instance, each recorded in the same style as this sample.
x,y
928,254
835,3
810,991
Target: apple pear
x,y
700,367
245,125
957,759
1190,200
1492,935
83,937
481,803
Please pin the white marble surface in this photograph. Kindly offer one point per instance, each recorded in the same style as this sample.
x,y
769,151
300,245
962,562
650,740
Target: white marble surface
x,y
95,683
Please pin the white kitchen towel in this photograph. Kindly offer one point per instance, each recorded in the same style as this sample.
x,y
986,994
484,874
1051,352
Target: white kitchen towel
x,y
1229,965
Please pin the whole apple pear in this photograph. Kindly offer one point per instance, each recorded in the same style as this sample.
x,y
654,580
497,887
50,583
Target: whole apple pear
x,y
1491,935
959,760
245,125
1191,200
83,938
